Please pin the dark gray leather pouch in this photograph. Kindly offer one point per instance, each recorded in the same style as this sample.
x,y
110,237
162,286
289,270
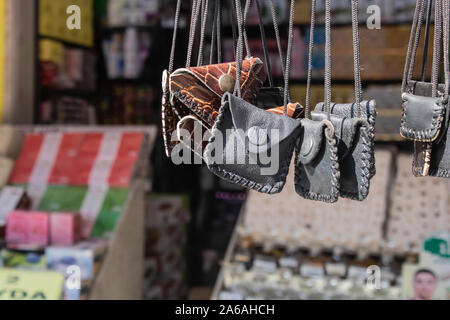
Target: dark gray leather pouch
x,y
355,153
317,175
368,113
251,147
422,118
440,157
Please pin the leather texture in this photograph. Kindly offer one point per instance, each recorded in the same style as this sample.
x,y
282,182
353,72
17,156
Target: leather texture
x,y
354,153
196,91
440,157
424,89
247,131
294,110
422,117
317,173
431,158
268,97
199,90
368,113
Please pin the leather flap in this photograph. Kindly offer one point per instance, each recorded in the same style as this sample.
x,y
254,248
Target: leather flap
x,y
421,88
209,75
261,128
368,110
346,130
422,117
311,138
199,90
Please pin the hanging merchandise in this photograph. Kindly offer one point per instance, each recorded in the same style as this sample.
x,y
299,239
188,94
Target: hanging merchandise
x,y
317,168
193,94
197,91
425,105
354,125
250,146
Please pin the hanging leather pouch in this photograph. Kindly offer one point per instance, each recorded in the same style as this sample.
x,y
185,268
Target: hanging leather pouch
x,y
250,146
355,154
317,175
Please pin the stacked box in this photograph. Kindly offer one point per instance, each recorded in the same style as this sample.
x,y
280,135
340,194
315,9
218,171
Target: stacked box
x,y
28,228
23,260
91,159
99,207
65,228
85,258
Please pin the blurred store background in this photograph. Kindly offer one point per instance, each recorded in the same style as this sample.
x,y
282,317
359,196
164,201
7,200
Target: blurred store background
x,y
85,182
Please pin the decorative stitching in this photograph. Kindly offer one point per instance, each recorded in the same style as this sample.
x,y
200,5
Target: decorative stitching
x,y
235,178
365,174
428,135
335,176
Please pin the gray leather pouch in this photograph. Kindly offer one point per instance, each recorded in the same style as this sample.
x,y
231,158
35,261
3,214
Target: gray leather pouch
x,y
368,113
440,157
425,104
251,147
355,153
317,175
422,117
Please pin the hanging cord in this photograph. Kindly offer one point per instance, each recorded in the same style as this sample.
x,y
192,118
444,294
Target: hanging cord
x,y
356,57
234,29
310,58
437,48
214,33
240,48
174,37
194,19
427,40
264,43
277,34
219,31
328,61
413,42
417,40
248,3
446,18
204,19
288,56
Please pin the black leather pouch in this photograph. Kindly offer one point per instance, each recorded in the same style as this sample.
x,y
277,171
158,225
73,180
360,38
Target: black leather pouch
x,y
251,147
317,175
268,97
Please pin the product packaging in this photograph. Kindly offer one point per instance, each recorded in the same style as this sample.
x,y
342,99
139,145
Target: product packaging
x,y
23,260
85,258
28,228
65,228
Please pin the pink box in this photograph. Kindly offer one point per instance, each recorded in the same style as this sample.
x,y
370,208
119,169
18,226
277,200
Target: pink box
x,y
17,227
65,228
38,231
30,228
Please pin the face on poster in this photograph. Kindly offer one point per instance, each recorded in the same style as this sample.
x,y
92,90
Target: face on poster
x,y
422,283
